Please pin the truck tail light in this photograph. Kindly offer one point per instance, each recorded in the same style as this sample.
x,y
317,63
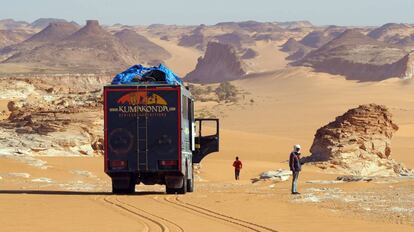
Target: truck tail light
x,y
118,164
168,164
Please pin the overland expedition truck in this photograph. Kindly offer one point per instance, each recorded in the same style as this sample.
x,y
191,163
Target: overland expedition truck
x,y
151,137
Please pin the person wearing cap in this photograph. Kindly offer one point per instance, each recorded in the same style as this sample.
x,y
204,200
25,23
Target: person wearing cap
x,y
295,167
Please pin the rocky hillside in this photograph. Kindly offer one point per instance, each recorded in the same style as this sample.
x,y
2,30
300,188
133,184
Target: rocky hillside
x,y
44,22
10,37
295,49
394,33
358,143
54,32
141,48
11,24
220,63
358,57
88,49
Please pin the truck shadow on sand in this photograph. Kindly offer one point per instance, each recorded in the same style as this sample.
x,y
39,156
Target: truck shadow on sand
x,y
73,193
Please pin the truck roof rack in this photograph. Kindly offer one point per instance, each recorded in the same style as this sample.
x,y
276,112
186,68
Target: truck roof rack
x,y
141,74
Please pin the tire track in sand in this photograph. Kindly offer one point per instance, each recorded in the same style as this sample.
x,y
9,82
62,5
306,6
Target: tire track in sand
x,y
216,215
145,218
177,227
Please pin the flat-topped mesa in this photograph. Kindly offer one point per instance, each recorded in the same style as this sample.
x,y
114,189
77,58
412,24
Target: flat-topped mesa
x,y
92,23
358,143
91,29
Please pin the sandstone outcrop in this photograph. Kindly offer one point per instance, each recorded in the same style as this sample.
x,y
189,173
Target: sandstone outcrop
x,y
358,143
220,63
51,123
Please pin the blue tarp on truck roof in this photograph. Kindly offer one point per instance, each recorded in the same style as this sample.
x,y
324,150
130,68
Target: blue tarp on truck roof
x,y
143,73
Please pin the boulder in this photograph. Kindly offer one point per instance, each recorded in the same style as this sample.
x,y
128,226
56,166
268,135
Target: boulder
x,y
358,143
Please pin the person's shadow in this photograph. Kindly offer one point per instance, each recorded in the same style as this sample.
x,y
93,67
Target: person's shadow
x,y
72,193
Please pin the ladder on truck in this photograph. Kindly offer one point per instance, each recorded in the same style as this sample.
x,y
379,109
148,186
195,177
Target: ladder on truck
x,y
142,135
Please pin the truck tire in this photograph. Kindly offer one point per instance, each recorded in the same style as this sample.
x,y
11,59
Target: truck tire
x,y
123,186
190,183
170,190
183,189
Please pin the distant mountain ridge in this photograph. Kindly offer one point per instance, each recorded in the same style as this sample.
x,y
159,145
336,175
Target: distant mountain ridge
x,y
359,57
65,46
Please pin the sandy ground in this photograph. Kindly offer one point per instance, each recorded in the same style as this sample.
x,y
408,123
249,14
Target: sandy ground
x,y
269,58
77,194
4,112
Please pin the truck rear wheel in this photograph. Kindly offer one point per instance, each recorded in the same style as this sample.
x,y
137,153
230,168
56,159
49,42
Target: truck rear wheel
x,y
123,185
183,189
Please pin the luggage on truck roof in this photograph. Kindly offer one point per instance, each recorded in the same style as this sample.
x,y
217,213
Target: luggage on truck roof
x,y
139,73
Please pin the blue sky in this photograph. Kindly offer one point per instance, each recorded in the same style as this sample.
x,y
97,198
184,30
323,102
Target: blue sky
x,y
138,12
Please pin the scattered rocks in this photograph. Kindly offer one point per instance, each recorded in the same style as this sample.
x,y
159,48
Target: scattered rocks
x,y
83,173
354,178
275,176
324,181
18,174
358,143
42,180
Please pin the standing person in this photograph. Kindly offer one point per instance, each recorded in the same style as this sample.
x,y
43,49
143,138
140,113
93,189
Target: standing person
x,y
237,164
295,167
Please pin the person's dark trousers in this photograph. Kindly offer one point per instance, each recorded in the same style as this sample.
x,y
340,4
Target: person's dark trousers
x,y
295,177
236,174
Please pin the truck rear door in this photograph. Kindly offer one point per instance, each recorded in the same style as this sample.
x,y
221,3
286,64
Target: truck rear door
x,y
141,128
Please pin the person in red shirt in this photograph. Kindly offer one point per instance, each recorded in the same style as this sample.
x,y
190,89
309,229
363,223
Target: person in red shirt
x,y
237,164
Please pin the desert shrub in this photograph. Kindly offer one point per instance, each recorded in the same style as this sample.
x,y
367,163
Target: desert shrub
x,y
226,92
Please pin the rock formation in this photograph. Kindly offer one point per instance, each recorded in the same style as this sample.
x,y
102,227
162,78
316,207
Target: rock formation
x,y
90,48
10,37
220,63
195,39
51,122
358,143
391,32
55,32
44,22
295,49
236,39
249,54
358,57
